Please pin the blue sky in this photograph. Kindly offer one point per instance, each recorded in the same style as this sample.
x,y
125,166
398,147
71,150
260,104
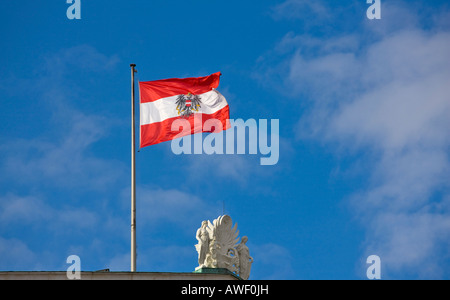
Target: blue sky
x,y
363,107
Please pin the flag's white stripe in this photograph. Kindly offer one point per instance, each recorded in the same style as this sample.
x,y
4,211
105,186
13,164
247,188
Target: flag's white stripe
x,y
166,108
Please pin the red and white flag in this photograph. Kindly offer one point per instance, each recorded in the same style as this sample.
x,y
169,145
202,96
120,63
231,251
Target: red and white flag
x,y
193,99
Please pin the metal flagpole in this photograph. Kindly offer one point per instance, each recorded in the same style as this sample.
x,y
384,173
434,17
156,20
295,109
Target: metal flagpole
x,y
133,176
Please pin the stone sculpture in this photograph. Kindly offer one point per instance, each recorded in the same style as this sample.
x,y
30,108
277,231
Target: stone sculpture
x,y
203,243
218,247
245,260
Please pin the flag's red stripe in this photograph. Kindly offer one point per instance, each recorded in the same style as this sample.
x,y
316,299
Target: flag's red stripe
x,y
154,90
156,133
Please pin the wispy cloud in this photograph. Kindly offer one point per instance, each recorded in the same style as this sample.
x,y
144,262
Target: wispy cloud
x,y
164,206
40,173
15,254
66,162
275,260
62,155
387,99
35,212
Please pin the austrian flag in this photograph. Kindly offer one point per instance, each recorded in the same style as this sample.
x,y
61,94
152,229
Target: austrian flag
x,y
195,100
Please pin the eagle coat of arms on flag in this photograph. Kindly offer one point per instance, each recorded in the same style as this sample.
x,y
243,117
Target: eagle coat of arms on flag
x,y
188,104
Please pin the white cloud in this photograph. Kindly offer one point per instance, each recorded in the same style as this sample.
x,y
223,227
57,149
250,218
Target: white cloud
x,y
235,167
186,210
66,162
275,260
83,57
15,254
120,262
34,222
34,211
406,100
43,173
62,156
387,98
24,210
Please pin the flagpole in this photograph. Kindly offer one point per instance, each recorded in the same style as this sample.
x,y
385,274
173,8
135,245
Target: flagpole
x,y
133,176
